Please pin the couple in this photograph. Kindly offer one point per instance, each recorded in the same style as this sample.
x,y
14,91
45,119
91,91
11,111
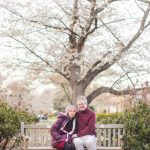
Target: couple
x,y
75,129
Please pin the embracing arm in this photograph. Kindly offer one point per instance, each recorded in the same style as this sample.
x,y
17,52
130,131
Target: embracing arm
x,y
56,128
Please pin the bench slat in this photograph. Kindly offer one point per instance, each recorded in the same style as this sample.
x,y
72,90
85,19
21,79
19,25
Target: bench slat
x,y
109,148
111,126
41,148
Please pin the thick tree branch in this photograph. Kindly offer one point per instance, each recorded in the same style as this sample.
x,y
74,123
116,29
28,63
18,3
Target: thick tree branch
x,y
89,75
86,29
72,36
102,90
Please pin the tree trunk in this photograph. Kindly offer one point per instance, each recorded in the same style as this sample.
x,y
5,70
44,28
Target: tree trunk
x,y
77,89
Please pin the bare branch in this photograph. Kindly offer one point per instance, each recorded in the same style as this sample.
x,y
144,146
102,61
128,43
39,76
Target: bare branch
x,y
94,28
62,8
139,32
46,25
36,55
102,90
145,1
72,36
71,31
92,17
40,22
127,78
89,75
14,12
92,73
134,89
66,92
113,85
107,3
147,25
87,27
39,68
112,33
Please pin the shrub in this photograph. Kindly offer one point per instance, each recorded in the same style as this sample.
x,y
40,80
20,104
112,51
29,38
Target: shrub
x,y
137,128
10,124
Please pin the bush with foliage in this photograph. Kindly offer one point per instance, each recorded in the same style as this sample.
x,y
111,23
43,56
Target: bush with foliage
x,y
137,128
10,119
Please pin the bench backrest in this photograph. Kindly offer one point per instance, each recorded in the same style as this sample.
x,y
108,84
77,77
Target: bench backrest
x,y
108,135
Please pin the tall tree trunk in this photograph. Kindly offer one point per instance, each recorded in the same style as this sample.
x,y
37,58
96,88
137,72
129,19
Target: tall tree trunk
x,y
77,89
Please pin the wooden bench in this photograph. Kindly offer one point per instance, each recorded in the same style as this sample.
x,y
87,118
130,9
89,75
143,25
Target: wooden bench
x,y
37,136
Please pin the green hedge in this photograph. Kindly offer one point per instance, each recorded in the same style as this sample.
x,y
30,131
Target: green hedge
x,y
10,124
111,118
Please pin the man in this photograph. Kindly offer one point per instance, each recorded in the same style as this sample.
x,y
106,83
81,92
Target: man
x,y
86,120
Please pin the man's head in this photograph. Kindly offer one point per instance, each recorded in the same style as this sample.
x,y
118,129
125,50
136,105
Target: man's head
x,y
82,103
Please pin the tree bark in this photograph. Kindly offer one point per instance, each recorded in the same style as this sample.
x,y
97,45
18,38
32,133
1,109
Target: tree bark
x,y
77,89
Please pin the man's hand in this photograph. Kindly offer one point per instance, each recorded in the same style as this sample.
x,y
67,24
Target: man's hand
x,y
74,136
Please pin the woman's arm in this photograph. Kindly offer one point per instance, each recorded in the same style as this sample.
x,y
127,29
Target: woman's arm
x,y
56,128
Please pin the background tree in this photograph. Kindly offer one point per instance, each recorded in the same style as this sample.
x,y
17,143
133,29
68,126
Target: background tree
x,y
79,39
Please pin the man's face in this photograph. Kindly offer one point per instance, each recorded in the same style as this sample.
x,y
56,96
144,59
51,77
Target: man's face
x,y
81,105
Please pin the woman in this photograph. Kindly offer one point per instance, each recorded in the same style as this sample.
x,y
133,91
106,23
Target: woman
x,y
63,129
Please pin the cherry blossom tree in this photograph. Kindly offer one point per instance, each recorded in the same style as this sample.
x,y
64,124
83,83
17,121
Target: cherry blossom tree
x,y
79,39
